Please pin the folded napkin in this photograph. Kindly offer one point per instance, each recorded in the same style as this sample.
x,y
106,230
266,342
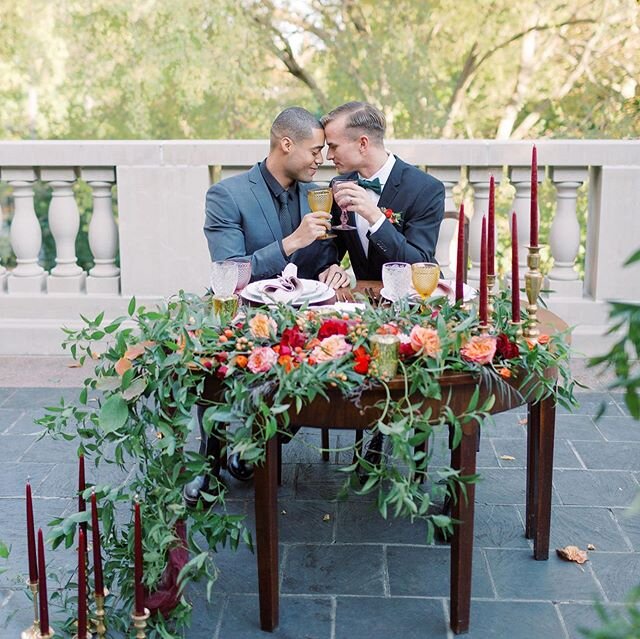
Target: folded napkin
x,y
287,288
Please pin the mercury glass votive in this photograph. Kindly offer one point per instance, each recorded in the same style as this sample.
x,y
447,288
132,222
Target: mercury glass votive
x,y
384,352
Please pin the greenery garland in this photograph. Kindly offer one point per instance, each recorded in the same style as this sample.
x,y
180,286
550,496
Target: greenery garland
x,y
135,411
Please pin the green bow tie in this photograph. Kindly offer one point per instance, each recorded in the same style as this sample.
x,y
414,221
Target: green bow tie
x,y
372,185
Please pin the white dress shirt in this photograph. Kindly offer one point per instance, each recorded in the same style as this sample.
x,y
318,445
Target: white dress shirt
x,y
361,224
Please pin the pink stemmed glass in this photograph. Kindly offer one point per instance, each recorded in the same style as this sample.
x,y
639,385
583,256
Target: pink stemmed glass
x,y
344,214
244,271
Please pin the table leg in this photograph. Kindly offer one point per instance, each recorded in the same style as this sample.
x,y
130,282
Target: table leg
x,y
266,505
533,438
544,480
463,458
325,444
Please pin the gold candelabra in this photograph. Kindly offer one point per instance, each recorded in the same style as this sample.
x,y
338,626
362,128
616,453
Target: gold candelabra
x,y
491,296
532,286
517,326
140,623
33,631
99,625
48,635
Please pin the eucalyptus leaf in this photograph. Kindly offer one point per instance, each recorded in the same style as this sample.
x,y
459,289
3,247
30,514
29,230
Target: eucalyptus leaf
x,y
113,414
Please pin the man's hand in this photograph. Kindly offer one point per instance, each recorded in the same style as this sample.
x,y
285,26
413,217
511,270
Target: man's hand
x,y
313,225
334,276
352,197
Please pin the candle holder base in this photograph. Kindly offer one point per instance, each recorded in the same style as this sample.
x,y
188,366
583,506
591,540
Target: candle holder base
x,y
49,635
34,629
532,285
88,635
140,623
491,296
32,632
484,329
98,625
517,326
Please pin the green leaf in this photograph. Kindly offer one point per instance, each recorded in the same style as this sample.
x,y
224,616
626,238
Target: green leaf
x,y
132,307
108,383
4,550
136,388
113,414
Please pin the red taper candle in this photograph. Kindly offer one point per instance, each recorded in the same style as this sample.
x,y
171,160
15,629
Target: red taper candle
x,y
483,273
82,586
97,558
533,237
82,506
31,539
137,547
460,257
42,587
491,231
515,277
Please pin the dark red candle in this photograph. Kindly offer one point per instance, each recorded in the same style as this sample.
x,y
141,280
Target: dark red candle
x,y
515,277
42,587
137,546
82,586
533,237
31,539
97,558
82,506
491,231
483,273
460,257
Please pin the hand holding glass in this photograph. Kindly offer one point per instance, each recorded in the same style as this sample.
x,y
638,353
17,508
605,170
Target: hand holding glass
x,y
425,276
321,200
336,185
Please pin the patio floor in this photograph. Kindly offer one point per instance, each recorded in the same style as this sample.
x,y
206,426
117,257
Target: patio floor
x,y
352,574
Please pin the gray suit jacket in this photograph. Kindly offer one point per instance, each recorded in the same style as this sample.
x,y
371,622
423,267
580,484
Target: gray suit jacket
x,y
241,219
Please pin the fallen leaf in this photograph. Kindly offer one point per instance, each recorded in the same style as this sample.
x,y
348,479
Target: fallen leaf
x,y
74,365
134,351
572,553
590,547
507,458
283,512
326,517
523,421
122,366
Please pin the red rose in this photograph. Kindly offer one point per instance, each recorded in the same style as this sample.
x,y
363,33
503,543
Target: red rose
x,y
506,348
362,360
333,327
293,337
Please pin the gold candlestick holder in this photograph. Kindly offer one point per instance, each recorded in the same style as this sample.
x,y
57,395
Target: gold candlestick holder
x,y
33,631
88,635
98,622
491,296
48,635
517,326
140,623
532,286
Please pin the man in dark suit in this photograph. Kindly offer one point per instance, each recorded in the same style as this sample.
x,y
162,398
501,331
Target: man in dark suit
x,y
263,213
355,136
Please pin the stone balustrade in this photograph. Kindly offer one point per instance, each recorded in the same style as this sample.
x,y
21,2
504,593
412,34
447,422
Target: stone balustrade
x,y
158,236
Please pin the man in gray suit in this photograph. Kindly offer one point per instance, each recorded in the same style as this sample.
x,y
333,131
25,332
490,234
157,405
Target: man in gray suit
x,y
264,213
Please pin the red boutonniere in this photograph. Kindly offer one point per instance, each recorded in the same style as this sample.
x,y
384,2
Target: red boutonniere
x,y
393,216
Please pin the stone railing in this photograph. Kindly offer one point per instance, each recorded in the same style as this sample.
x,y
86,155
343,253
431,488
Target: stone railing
x,y
158,234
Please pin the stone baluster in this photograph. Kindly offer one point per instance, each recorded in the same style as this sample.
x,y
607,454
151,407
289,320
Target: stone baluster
x,y
3,270
521,180
64,222
449,176
25,235
479,180
564,237
104,277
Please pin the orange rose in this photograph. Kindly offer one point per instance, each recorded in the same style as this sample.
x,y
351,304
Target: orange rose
x,y
242,361
505,373
425,341
479,349
262,326
543,339
286,362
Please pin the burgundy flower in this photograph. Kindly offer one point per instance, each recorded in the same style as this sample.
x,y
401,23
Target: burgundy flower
x,y
506,348
293,337
333,327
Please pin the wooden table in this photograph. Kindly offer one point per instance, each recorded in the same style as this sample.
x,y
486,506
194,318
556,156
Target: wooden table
x,y
340,413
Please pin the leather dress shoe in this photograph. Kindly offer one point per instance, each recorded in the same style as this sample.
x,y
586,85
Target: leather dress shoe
x,y
191,491
239,468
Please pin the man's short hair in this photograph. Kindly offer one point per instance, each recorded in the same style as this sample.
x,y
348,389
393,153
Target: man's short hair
x,y
295,123
362,116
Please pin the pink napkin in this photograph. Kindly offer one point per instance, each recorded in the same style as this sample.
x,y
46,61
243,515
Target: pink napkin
x,y
287,288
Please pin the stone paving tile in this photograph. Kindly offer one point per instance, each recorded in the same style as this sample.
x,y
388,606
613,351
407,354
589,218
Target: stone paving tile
x,y
238,571
63,479
8,417
629,521
591,404
610,455
619,429
5,393
563,455
319,481
58,450
300,617
361,522
25,424
206,615
378,618
501,486
586,487
517,575
514,619
339,569
13,447
425,572
617,573
583,616
577,428
16,612
508,425
499,527
30,398
14,476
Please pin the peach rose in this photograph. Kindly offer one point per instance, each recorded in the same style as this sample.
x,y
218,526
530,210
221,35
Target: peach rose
x,y
425,341
479,349
262,326
331,347
262,359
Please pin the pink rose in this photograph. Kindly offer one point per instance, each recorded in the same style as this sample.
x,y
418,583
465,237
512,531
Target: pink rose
x,y
425,341
331,348
262,359
479,349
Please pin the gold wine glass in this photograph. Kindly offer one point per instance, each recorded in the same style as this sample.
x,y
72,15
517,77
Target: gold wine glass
x,y
425,276
321,200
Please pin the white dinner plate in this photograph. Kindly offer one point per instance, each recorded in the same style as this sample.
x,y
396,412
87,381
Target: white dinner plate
x,y
444,288
313,292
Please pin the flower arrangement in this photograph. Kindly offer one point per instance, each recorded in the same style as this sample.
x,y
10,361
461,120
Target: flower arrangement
x,y
267,365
